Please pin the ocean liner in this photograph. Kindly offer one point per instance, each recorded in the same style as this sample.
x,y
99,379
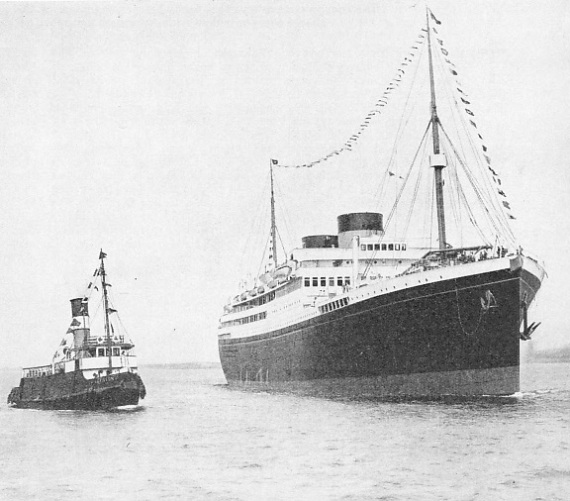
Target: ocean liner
x,y
369,311
90,370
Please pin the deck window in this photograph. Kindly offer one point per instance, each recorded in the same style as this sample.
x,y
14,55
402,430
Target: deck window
x,y
403,246
315,281
363,247
323,281
339,281
397,246
390,246
307,281
100,352
383,246
346,280
331,281
370,247
376,246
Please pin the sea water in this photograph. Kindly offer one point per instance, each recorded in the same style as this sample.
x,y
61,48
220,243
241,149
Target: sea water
x,y
193,437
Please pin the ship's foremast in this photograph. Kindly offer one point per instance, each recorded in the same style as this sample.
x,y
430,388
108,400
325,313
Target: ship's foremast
x,y
438,161
102,256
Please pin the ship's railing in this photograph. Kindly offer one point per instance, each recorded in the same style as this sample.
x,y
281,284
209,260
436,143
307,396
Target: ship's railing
x,y
98,340
41,370
453,257
96,363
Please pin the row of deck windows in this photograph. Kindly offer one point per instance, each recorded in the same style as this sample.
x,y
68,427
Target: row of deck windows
x,y
246,320
377,247
322,281
103,352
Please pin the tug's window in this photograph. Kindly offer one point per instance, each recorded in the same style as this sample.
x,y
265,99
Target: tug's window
x,y
315,281
323,281
307,281
100,352
390,246
339,281
370,247
116,351
331,281
383,246
363,247
397,246
376,246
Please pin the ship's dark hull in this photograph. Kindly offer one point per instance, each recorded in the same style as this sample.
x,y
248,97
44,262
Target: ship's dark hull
x,y
71,391
445,337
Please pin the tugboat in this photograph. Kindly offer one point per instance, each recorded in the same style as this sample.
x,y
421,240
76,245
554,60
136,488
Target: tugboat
x,y
89,370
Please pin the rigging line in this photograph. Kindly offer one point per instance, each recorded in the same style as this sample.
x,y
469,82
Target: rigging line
x,y
255,223
263,263
456,200
395,205
414,198
489,200
402,125
432,214
489,190
462,196
282,246
451,190
481,193
479,197
286,218
472,218
474,186
123,328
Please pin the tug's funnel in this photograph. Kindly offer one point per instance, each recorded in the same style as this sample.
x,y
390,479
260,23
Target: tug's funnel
x,y
79,308
80,322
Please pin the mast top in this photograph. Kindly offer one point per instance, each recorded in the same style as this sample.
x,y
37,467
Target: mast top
x,y
438,160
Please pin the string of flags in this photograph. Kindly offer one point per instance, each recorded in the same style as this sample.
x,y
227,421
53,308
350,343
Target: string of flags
x,y
377,110
464,98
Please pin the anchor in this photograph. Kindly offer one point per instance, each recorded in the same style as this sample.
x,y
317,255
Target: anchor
x,y
489,301
527,329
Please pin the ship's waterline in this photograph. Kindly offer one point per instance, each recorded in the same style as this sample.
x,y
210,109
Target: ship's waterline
x,y
500,381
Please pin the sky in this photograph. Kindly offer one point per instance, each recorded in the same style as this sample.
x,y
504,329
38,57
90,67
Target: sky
x,y
146,129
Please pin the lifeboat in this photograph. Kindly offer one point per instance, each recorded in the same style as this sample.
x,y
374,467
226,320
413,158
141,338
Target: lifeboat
x,y
265,278
282,272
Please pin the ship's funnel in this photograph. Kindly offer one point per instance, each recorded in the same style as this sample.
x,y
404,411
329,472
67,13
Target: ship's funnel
x,y
79,308
361,224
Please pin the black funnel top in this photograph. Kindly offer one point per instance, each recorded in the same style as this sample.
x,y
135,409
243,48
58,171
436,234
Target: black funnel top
x,y
79,308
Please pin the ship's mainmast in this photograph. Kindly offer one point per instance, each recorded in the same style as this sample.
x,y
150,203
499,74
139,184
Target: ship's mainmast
x,y
273,225
437,159
102,256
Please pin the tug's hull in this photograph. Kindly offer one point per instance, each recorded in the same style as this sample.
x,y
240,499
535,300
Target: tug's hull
x,y
71,391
